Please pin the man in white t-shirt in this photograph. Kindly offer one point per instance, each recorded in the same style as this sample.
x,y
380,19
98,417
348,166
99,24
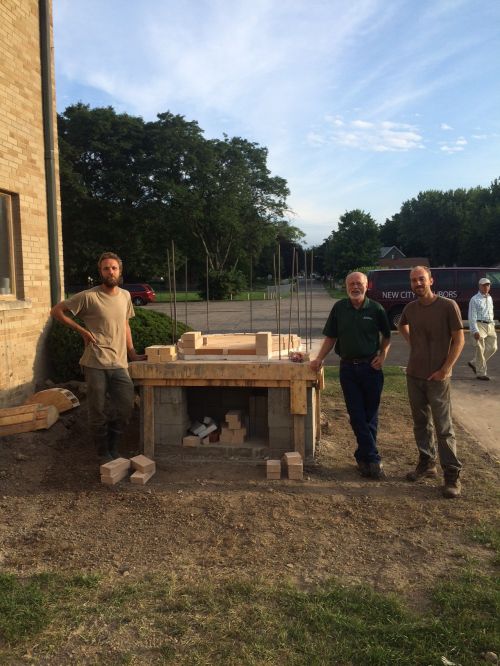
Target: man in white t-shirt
x,y
482,328
105,311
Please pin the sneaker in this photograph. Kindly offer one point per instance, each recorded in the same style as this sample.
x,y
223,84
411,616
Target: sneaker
x,y
424,469
377,471
364,469
452,488
485,378
472,366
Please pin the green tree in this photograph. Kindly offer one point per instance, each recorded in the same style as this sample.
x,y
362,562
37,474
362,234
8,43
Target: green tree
x,y
355,243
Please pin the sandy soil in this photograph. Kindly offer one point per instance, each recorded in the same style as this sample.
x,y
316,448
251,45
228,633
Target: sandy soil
x,y
224,518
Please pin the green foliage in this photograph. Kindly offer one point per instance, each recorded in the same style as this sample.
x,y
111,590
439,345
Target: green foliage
x,y
355,242
221,284
65,346
22,609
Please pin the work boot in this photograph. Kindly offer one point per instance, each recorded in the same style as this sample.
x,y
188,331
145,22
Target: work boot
x,y
426,468
364,469
452,485
377,471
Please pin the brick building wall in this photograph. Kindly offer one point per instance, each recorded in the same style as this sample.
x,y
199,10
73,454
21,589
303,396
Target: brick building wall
x,y
25,298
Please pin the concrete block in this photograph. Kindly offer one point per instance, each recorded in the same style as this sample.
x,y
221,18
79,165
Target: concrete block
x,y
170,394
280,438
278,408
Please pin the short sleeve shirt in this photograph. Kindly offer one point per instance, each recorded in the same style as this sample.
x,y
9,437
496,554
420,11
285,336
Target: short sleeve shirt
x,y
105,316
357,330
431,328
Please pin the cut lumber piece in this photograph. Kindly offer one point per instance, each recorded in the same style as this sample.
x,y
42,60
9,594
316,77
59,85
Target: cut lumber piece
x,y
141,478
115,467
142,464
273,469
18,428
191,440
226,435
293,465
46,416
61,398
14,415
234,418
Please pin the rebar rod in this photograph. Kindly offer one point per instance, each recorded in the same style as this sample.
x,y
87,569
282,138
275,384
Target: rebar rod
x,y
174,281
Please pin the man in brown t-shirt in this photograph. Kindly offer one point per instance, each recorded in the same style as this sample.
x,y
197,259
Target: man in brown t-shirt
x,y
432,325
106,311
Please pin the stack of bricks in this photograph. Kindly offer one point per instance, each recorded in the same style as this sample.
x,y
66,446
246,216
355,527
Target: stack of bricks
x,y
292,465
144,469
161,353
114,471
233,431
273,469
190,342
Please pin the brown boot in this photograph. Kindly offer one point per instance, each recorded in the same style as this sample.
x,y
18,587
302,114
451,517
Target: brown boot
x,y
426,468
452,485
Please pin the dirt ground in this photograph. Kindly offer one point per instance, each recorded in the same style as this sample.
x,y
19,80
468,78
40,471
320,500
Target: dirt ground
x,y
224,519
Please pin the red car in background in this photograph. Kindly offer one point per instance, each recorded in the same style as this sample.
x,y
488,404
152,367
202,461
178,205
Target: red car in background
x,y
141,294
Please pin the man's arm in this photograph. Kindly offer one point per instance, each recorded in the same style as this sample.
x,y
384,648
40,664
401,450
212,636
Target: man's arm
x,y
456,346
379,359
404,330
132,354
59,313
472,316
326,347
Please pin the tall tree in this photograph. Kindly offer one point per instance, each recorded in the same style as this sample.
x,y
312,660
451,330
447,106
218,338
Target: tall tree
x,y
355,243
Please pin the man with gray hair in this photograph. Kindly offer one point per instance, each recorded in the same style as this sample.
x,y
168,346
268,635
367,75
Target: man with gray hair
x,y
359,330
482,328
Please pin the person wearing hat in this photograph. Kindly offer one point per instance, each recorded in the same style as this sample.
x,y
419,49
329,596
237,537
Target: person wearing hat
x,y
482,328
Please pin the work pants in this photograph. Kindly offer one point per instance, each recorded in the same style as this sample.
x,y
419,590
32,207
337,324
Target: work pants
x,y
430,403
110,399
362,386
485,347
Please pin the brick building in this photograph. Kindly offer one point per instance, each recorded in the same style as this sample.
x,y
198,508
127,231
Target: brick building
x,y
30,231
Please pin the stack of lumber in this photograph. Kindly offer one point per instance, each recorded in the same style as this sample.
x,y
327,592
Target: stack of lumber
x,y
161,353
26,418
114,471
273,469
237,346
233,430
59,397
143,467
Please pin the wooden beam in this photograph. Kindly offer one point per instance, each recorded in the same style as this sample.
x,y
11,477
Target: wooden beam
x,y
148,421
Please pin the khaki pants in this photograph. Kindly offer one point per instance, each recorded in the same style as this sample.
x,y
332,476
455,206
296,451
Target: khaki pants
x,y
431,410
485,347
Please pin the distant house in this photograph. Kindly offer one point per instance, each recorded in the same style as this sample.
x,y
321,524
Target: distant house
x,y
406,262
391,252
30,232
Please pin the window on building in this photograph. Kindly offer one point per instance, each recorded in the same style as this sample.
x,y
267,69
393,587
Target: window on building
x,y
7,265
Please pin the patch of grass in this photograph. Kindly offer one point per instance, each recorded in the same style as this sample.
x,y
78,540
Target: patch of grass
x,y
394,382
155,620
488,536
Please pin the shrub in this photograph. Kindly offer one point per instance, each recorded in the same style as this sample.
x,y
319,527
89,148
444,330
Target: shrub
x,y
65,346
221,284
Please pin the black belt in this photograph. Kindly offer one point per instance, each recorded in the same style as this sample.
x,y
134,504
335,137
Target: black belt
x,y
483,321
356,361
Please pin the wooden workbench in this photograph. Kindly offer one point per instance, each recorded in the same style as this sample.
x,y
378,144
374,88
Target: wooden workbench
x,y
297,377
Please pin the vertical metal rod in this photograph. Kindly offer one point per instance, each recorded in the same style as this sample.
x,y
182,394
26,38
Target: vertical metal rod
x,y
208,297
275,291
170,297
291,301
251,290
311,266
174,281
305,300
279,300
298,295
186,292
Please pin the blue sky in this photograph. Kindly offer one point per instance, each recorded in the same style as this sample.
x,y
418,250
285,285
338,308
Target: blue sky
x,y
361,103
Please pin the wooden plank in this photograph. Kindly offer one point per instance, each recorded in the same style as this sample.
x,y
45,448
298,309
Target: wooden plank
x,y
298,398
18,428
299,434
318,414
214,382
21,409
148,421
58,397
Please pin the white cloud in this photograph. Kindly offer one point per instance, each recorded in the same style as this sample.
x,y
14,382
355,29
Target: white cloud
x,y
445,126
383,136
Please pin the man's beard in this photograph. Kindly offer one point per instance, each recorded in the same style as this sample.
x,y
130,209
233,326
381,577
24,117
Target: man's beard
x,y
110,281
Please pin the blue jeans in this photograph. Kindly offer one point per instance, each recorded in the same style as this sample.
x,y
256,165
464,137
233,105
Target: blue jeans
x,y
362,387
110,400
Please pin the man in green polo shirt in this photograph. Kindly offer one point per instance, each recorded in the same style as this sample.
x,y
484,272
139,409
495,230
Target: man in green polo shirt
x,y
359,330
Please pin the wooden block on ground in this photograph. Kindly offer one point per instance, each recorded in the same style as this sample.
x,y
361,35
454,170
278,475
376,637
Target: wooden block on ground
x,y
273,469
239,435
233,418
141,478
59,397
291,457
115,467
46,416
143,464
295,471
191,440
226,435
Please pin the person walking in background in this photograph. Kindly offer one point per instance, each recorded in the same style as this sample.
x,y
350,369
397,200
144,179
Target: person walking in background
x,y
432,325
359,330
482,328
105,310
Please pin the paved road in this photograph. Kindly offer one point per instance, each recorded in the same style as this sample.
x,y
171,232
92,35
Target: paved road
x,y
475,403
